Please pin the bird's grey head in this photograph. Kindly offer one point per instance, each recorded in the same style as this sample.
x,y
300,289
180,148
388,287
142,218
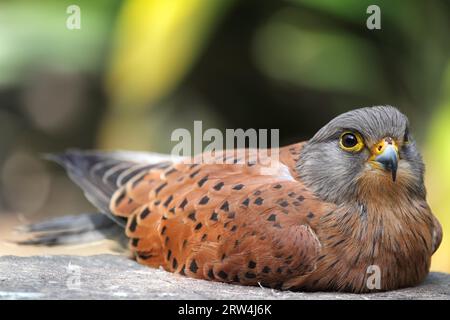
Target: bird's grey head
x,y
360,151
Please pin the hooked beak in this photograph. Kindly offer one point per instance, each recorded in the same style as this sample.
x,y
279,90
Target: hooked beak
x,y
386,153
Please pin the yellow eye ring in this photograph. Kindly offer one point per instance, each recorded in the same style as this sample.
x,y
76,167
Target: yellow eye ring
x,y
351,141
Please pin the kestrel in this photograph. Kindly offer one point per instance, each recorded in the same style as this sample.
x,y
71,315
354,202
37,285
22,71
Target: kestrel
x,y
350,199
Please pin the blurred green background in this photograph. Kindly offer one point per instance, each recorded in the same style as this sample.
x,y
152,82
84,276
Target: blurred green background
x,y
138,69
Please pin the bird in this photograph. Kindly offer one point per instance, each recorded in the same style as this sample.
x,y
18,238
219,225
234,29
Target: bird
x,y
349,199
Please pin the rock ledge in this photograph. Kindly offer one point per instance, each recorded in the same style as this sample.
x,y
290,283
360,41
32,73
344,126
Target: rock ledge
x,y
116,277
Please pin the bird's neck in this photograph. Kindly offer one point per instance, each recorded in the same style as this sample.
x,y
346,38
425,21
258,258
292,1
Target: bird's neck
x,y
397,226
396,238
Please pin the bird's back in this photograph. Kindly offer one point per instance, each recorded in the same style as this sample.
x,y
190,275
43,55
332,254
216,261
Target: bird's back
x,y
241,221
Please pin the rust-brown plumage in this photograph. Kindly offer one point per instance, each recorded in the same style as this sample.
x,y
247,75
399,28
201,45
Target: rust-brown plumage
x,y
233,223
223,222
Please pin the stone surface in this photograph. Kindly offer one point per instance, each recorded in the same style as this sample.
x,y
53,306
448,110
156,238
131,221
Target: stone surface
x,y
116,277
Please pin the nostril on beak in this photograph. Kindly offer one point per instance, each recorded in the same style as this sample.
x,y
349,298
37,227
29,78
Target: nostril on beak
x,y
389,159
386,154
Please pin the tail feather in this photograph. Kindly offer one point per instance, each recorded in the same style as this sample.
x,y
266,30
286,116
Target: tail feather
x,y
100,174
81,222
68,230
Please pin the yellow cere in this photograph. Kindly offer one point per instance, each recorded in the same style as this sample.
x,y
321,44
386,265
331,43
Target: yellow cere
x,y
378,148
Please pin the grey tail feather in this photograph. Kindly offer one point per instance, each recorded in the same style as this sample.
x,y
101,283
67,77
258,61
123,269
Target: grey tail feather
x,y
100,174
67,230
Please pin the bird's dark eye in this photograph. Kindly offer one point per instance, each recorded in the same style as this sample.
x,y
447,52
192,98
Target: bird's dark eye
x,y
350,141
